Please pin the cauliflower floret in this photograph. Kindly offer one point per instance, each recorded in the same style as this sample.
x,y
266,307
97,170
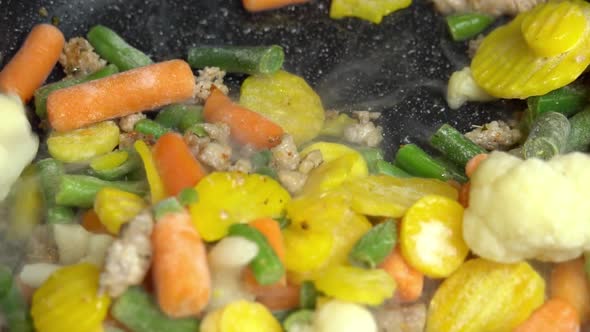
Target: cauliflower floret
x,y
462,88
339,316
523,209
365,132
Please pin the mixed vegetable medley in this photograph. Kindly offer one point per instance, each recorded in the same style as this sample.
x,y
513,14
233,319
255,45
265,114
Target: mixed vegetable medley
x,y
167,202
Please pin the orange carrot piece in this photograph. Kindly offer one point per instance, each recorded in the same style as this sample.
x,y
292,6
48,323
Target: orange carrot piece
x,y
409,281
275,296
272,232
556,315
568,282
246,126
176,165
260,5
464,194
91,223
129,92
33,62
180,272
473,163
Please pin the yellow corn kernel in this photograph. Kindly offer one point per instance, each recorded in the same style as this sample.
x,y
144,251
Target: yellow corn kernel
x,y
349,283
370,10
85,143
485,296
510,63
69,301
431,236
226,198
115,207
306,250
157,191
109,160
245,316
388,196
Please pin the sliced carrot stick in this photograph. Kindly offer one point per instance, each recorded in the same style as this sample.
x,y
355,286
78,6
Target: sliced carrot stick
x,y
179,270
409,281
91,223
275,296
464,194
272,232
556,315
247,127
33,62
132,91
175,163
473,163
568,282
260,5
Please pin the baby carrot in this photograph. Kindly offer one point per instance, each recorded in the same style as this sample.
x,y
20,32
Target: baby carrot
x,y
556,315
92,224
132,91
260,5
409,281
33,62
179,269
569,283
247,127
472,164
175,163
275,296
464,194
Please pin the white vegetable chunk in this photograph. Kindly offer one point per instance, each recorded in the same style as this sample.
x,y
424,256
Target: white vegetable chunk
x,y
34,275
462,88
339,316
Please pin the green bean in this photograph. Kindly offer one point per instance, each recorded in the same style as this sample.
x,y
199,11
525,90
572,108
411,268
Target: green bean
x,y
132,163
579,137
466,25
80,190
150,127
567,100
198,130
12,303
374,246
167,206
548,136
371,156
454,145
137,310
43,92
307,295
266,266
188,196
300,320
417,162
180,117
60,215
386,168
51,171
110,46
238,59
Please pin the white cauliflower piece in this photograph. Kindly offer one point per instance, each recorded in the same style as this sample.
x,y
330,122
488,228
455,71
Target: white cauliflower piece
x,y
523,209
462,88
339,316
75,244
34,275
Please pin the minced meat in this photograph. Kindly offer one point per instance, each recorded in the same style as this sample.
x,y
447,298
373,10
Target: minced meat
x,y
207,78
312,160
293,181
241,165
496,135
79,59
492,7
216,155
365,132
285,155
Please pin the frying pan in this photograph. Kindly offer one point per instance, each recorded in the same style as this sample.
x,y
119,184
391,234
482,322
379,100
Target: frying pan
x,y
399,67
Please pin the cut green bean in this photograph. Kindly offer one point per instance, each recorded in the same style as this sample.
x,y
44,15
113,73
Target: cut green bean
x,y
371,156
417,162
300,320
132,163
266,266
453,171
137,310
150,127
467,25
386,168
51,171
568,101
167,206
43,92
60,215
454,145
80,190
110,46
12,304
180,117
307,295
579,137
188,196
374,246
548,136
198,130
239,59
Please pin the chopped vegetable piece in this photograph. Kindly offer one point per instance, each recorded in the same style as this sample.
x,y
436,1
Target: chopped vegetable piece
x,y
370,10
568,101
335,126
467,25
568,282
261,5
548,136
246,197
238,59
43,92
139,313
266,266
252,317
60,215
431,236
27,203
351,317
51,172
481,292
416,161
410,281
272,232
83,144
299,320
383,167
157,190
463,88
13,304
374,246
474,163
180,116
372,157
115,207
110,46
109,161
80,190
454,145
33,62
69,294
579,137
306,251
308,295
92,224
179,251
276,297
188,196
247,127
287,100
120,95
347,283
261,159
150,128
132,164
553,315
